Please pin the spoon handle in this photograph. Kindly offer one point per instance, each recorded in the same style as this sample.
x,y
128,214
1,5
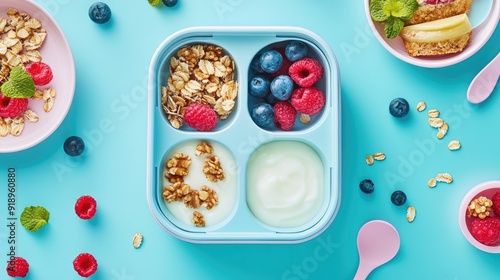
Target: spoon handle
x,y
363,271
484,83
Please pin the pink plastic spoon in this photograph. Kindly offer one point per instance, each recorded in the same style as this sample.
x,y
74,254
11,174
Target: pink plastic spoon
x,y
483,84
378,243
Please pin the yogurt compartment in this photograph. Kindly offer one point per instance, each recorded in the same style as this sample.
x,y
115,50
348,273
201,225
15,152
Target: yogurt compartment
x,y
247,212
285,189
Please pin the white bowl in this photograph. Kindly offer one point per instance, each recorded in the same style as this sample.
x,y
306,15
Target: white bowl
x,y
480,35
486,189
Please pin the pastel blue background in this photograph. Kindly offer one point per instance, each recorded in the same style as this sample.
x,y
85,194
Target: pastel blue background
x,y
110,108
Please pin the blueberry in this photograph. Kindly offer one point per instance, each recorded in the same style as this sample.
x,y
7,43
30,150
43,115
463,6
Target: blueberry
x,y
282,87
255,65
169,3
270,61
74,146
295,50
259,86
263,115
398,198
99,12
366,186
399,107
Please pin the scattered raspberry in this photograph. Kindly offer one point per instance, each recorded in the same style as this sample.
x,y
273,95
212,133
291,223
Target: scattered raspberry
x,y
306,72
308,100
18,267
40,72
285,66
486,231
12,107
284,115
85,207
85,264
200,117
496,203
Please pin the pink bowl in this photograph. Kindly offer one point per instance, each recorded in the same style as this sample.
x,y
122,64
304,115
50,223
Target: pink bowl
x,y
56,52
486,189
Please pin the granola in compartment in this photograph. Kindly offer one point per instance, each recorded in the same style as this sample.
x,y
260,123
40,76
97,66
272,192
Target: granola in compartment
x,y
199,73
479,207
177,167
21,37
192,194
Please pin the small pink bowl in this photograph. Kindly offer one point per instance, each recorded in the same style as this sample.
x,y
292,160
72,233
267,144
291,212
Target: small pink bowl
x,y
486,189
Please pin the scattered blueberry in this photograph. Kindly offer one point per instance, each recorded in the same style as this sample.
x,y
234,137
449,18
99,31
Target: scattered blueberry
x,y
398,198
263,115
169,3
366,186
399,107
295,50
74,146
282,87
99,12
270,61
259,86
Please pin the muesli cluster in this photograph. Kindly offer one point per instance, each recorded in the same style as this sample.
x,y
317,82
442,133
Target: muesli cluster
x,y
177,167
201,74
21,37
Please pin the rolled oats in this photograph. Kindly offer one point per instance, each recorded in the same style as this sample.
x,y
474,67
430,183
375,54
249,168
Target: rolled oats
x,y
442,131
379,156
410,214
432,183
137,240
444,177
454,145
369,160
433,113
199,73
31,116
436,122
421,106
304,118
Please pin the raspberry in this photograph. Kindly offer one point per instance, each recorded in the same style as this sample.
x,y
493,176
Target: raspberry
x,y
308,100
18,267
284,115
12,107
496,203
200,117
85,207
40,73
85,264
306,72
486,231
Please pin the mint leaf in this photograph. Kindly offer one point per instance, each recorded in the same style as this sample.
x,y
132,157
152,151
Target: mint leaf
x,y
376,10
393,27
154,2
19,85
409,8
34,217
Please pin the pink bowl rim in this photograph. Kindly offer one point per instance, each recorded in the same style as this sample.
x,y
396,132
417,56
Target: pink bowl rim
x,y
463,208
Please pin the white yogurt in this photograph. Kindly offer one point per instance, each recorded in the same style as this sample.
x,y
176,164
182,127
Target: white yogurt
x,y
226,189
285,184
